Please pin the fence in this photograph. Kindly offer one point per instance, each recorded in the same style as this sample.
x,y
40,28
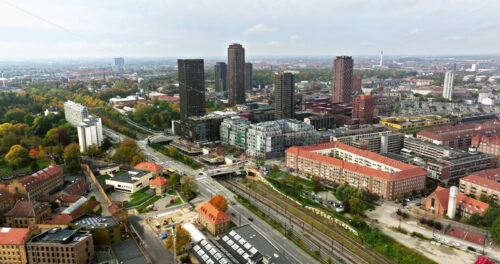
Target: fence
x,y
96,181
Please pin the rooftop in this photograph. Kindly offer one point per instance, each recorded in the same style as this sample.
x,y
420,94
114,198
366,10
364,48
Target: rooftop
x,y
214,214
127,252
35,179
13,236
61,236
482,181
158,181
27,209
75,206
148,166
251,242
129,176
77,188
93,221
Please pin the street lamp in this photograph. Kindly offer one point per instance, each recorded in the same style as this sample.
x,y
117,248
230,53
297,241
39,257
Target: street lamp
x,y
172,226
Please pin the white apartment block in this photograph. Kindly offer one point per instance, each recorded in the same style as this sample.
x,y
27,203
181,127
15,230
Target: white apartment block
x,y
233,131
272,138
89,127
448,85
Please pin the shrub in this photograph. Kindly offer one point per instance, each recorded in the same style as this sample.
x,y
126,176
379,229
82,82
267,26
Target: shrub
x,y
417,234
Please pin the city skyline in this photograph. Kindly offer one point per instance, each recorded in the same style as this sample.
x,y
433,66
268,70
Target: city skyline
x,y
118,29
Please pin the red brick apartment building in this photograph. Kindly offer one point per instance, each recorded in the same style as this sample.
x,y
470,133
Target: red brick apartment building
x,y
485,182
437,203
487,144
340,163
458,136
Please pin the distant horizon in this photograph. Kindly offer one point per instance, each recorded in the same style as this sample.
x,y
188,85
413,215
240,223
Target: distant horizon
x,y
479,56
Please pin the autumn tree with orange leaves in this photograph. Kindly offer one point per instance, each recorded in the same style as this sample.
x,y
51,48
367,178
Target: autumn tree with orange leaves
x,y
37,153
220,202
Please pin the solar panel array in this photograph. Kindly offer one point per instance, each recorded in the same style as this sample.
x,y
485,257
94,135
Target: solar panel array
x,y
209,253
239,247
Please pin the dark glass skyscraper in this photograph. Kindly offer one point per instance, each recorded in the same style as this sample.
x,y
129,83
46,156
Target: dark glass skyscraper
x,y
220,71
236,74
248,76
284,84
342,79
191,87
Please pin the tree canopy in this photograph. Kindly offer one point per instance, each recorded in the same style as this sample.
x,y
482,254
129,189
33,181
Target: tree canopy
x,y
220,202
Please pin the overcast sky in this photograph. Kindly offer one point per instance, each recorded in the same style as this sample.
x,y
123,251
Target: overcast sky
x,y
204,28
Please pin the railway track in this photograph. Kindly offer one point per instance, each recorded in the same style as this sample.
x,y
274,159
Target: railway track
x,y
324,241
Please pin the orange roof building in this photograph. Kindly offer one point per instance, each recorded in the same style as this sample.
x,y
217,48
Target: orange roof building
x,y
437,203
39,183
215,220
158,184
12,241
150,166
485,182
340,163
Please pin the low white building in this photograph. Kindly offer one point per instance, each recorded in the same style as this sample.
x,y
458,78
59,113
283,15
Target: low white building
x,y
131,181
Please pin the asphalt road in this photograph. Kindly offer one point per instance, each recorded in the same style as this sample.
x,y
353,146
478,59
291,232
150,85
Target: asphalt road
x,y
208,187
153,245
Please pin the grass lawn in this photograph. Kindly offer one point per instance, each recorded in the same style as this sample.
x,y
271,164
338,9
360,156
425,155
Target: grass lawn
x,y
142,208
103,178
172,192
177,201
138,199
5,169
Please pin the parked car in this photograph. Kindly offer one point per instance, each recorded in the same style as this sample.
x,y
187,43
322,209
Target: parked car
x,y
164,236
250,219
471,248
232,214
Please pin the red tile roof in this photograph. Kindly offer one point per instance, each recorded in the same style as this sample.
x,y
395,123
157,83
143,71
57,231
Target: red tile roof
x,y
27,209
406,170
452,131
443,196
78,188
472,204
212,213
148,166
30,181
5,195
158,181
482,181
13,236
168,98
62,219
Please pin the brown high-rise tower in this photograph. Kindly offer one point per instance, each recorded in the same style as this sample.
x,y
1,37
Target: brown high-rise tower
x,y
284,86
362,109
342,79
191,87
236,74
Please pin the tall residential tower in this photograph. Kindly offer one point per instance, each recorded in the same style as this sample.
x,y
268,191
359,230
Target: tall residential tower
x,y
220,71
283,95
236,74
191,87
448,85
248,76
342,79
